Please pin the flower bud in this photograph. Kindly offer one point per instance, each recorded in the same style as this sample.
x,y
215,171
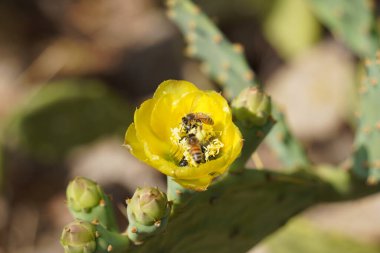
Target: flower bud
x,y
252,107
82,194
79,237
148,205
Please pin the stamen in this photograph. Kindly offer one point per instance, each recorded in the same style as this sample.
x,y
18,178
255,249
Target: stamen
x,y
195,141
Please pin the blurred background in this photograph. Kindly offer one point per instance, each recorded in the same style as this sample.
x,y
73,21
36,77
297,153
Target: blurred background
x,y
73,71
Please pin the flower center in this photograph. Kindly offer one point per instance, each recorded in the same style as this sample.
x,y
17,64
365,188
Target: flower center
x,y
195,141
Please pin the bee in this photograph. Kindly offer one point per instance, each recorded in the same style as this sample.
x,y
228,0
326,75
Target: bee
x,y
195,149
191,120
183,162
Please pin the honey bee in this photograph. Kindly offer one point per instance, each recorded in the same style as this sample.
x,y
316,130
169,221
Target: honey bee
x,y
191,119
183,162
195,149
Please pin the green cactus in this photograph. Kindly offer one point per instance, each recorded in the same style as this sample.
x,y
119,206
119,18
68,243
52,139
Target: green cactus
x,y
367,148
352,22
314,240
288,149
84,237
87,201
239,209
224,62
148,213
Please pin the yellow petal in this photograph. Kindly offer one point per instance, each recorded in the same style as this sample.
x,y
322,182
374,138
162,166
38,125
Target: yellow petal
x,y
164,118
211,104
175,87
150,135
198,184
157,145
133,144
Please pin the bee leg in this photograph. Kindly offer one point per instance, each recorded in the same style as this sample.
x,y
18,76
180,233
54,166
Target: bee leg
x,y
183,162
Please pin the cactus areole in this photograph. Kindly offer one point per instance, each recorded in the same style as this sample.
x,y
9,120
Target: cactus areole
x,y
185,133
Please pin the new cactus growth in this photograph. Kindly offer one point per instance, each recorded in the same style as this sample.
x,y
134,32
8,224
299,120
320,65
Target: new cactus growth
x,y
87,201
83,194
148,212
79,237
252,107
84,237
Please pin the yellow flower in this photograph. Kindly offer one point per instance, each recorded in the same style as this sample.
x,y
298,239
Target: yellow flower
x,y
185,133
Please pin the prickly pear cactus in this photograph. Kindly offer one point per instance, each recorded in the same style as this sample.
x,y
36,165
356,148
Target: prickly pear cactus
x,y
352,22
221,60
367,148
224,63
206,211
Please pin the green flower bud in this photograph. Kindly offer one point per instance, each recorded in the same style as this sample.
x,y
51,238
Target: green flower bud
x,y
82,194
79,237
148,205
252,107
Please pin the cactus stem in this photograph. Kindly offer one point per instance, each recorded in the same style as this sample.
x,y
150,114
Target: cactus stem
x,y
134,230
109,248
